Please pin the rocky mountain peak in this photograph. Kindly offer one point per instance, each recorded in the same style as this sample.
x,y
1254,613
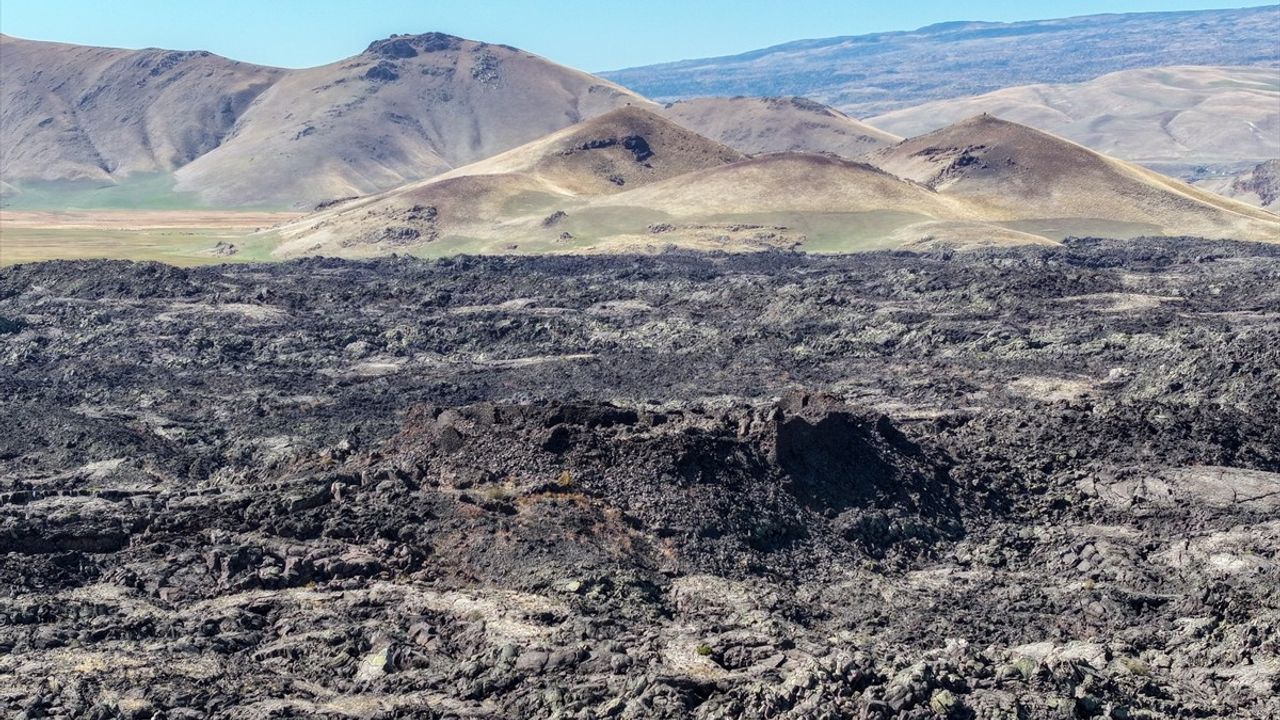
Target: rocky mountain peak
x,y
407,46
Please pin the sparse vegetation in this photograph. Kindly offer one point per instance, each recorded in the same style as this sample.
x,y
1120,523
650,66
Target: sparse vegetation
x,y
499,493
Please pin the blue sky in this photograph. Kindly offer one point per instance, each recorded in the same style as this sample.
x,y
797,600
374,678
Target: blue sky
x,y
598,35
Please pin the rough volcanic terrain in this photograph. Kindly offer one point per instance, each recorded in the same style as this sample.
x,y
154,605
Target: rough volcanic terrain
x,y
1026,483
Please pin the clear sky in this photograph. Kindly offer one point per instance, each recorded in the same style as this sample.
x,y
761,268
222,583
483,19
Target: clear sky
x,y
591,35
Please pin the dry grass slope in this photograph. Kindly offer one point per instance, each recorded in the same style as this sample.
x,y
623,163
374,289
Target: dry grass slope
x,y
631,181
623,149
207,131
518,193
787,182
1013,173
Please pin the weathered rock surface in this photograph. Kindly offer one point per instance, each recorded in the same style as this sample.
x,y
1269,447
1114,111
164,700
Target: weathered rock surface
x,y
1026,483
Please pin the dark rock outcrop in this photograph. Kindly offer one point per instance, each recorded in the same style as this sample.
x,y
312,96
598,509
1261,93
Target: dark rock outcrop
x,y
1036,481
399,47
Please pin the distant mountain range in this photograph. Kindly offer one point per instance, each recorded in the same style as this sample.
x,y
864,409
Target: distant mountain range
x,y
511,132
174,125
867,75
236,134
1168,118
632,180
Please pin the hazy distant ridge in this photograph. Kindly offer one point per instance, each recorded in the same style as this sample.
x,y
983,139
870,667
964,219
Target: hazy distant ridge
x,y
872,74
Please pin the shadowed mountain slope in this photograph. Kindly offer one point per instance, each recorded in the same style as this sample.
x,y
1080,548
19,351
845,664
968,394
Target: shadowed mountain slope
x,y
69,112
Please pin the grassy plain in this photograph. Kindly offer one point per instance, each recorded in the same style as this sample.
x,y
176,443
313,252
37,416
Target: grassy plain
x,y
180,237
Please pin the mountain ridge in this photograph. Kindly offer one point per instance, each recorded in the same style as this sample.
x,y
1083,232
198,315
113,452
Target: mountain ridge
x,y
71,112
981,182
408,107
860,74
1165,116
622,149
1019,173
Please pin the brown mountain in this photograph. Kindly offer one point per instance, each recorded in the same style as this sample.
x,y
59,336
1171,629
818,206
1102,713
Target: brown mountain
x,y
69,112
790,200
622,149
786,182
520,194
407,108
1045,184
980,182
778,124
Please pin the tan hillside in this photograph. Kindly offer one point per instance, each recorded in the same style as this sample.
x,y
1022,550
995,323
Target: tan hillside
x,y
980,182
626,148
791,183
1259,185
1013,173
1157,116
815,202
70,112
778,124
407,108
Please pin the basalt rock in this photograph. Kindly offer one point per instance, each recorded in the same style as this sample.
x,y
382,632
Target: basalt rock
x,y
382,72
790,488
398,47
1036,482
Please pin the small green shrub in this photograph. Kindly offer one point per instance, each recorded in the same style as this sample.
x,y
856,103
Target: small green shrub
x,y
498,493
